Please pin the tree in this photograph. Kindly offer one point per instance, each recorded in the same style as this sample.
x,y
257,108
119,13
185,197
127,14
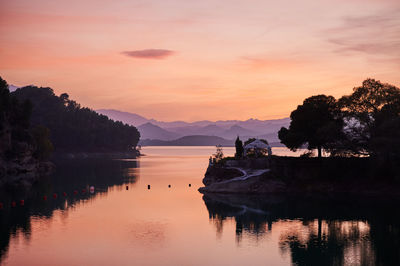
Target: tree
x,y
316,123
219,154
17,138
372,119
44,147
74,128
239,148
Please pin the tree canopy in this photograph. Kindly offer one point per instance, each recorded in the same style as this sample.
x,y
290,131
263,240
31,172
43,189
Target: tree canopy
x,y
239,148
17,138
316,123
372,115
366,122
74,128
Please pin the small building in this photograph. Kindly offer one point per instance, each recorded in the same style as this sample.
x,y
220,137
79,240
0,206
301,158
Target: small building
x,y
259,147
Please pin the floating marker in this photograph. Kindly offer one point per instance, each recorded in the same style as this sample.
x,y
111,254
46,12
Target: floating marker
x,y
190,185
127,187
13,204
75,192
148,186
169,185
64,194
91,189
22,202
44,197
1,205
83,190
55,195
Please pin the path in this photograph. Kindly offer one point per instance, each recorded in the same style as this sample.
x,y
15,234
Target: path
x,y
246,175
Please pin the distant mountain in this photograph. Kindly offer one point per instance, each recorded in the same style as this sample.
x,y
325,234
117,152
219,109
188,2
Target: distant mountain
x,y
185,130
150,131
197,140
236,130
211,130
127,118
227,129
12,88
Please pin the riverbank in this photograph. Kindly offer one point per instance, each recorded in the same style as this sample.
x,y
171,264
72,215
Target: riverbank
x,y
303,176
23,174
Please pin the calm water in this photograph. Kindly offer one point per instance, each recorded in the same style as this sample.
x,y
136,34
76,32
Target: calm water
x,y
124,223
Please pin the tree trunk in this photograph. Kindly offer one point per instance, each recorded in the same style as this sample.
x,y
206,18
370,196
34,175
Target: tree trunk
x,y
319,151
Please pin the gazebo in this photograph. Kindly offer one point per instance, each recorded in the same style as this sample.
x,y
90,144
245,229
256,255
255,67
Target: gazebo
x,y
258,145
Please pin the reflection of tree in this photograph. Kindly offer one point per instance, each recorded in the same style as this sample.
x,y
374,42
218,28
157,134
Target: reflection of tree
x,y
319,232
332,243
385,238
248,218
70,176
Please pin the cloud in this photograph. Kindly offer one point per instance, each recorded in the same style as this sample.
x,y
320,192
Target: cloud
x,y
149,53
376,35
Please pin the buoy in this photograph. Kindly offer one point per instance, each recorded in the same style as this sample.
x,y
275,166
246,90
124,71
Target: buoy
x,y
75,192
148,186
44,197
190,185
83,190
13,204
169,185
127,187
1,205
92,189
22,202
64,194
55,195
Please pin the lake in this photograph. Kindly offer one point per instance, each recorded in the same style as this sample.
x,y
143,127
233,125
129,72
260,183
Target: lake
x,y
122,222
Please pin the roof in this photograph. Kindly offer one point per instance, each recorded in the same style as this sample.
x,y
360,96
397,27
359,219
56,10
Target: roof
x,y
257,144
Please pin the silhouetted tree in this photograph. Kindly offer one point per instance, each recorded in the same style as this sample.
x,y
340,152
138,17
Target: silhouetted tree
x,y
44,147
17,139
372,116
219,154
73,128
316,123
239,148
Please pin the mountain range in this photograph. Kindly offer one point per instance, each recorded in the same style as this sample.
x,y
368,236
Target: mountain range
x,y
154,132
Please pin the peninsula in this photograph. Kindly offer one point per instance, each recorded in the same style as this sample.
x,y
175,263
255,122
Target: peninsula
x,y
358,134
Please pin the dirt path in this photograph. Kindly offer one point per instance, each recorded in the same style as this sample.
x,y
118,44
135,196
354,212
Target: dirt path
x,y
246,174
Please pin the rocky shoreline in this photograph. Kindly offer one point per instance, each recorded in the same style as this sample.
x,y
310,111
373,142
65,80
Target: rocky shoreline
x,y
23,174
299,176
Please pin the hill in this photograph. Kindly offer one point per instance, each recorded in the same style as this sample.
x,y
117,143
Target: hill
x,y
125,117
74,128
150,131
23,149
227,129
196,140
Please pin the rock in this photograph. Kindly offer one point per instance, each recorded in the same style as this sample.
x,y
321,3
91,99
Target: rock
x,y
217,174
216,180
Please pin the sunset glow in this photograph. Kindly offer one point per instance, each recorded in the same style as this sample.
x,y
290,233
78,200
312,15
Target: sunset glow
x,y
193,60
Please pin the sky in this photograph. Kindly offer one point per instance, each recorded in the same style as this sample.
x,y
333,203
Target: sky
x,y
194,60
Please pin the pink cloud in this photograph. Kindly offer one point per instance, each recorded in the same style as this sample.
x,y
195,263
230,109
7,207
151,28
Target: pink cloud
x,y
149,53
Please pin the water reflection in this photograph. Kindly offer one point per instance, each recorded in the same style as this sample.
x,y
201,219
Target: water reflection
x,y
315,232
73,177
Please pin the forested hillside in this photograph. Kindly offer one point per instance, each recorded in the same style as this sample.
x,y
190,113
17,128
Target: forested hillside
x,y
74,128
22,148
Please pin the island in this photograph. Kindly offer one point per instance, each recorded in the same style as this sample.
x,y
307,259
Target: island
x,y
357,144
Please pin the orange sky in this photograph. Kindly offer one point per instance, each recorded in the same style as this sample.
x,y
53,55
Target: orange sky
x,y
193,60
